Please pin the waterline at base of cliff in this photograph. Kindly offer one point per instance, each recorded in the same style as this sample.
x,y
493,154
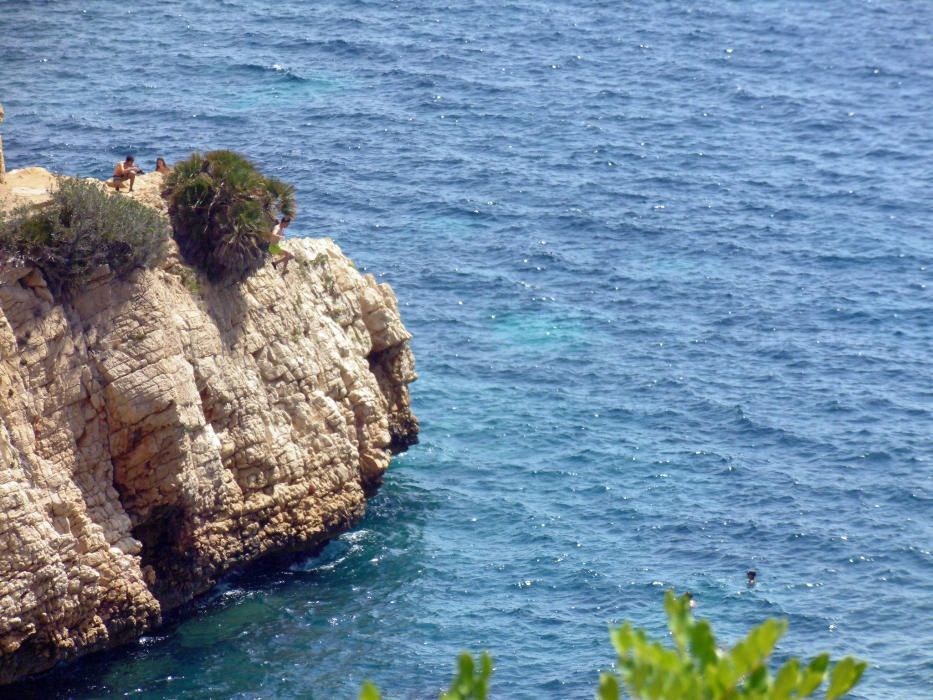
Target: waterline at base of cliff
x,y
158,430
667,269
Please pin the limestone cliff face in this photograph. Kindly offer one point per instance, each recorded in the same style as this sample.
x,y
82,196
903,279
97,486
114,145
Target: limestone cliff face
x,y
157,431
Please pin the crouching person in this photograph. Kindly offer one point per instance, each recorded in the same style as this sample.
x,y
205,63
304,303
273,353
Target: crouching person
x,y
125,171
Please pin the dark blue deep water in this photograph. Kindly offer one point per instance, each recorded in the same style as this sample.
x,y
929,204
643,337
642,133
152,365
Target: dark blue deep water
x,y
668,268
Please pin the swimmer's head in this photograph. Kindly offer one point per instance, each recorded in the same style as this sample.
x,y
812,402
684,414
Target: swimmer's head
x,y
752,575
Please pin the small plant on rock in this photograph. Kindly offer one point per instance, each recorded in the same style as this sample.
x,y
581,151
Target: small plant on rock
x,y
222,210
78,231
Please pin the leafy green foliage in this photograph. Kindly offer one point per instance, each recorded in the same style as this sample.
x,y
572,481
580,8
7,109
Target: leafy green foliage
x,y
369,692
81,229
470,683
695,669
222,211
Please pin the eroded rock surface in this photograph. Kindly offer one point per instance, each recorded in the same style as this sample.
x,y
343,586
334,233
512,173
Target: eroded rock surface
x,y
2,162
157,431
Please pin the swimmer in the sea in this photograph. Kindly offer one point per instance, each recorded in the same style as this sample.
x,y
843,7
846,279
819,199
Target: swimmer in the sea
x,y
693,603
752,575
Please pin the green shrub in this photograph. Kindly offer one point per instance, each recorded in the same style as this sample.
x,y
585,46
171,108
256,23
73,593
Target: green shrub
x,y
696,669
222,210
79,230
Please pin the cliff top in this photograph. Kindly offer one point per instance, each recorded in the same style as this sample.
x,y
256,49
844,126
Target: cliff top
x,y
34,185
157,429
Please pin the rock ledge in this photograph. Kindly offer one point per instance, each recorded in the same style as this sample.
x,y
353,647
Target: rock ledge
x,y
157,431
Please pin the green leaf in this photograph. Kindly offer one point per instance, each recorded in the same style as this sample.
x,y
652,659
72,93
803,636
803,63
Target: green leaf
x,y
468,683
765,637
703,644
623,639
369,692
814,675
741,658
757,681
679,619
844,676
608,687
786,680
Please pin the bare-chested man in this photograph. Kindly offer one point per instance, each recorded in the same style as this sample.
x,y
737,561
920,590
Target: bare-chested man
x,y
126,170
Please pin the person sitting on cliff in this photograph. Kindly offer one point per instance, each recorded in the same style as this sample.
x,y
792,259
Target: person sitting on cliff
x,y
161,166
126,170
277,235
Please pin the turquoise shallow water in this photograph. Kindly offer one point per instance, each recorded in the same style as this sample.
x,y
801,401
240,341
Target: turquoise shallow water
x,y
668,271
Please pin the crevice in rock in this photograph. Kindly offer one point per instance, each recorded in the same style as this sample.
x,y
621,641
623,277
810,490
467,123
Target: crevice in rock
x,y
392,370
166,554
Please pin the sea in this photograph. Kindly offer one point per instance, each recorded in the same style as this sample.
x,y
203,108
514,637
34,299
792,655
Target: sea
x,y
667,265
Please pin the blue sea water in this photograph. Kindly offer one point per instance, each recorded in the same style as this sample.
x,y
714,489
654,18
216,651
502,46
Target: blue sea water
x,y
668,269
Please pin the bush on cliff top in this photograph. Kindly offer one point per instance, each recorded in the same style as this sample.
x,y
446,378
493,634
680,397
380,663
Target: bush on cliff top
x,y
696,669
222,210
78,231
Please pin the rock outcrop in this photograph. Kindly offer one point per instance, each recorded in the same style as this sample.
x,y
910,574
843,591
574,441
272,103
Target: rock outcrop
x,y
2,162
158,430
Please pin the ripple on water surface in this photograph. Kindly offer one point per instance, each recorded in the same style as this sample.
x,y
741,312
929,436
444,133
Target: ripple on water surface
x,y
668,273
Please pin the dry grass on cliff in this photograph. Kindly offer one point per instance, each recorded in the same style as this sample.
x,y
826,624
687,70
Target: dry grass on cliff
x,y
78,231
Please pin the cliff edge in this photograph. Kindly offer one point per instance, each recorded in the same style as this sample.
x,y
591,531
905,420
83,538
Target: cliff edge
x,y
157,430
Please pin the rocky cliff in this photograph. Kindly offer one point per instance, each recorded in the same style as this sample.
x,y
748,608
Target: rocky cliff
x,y
2,162
158,430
